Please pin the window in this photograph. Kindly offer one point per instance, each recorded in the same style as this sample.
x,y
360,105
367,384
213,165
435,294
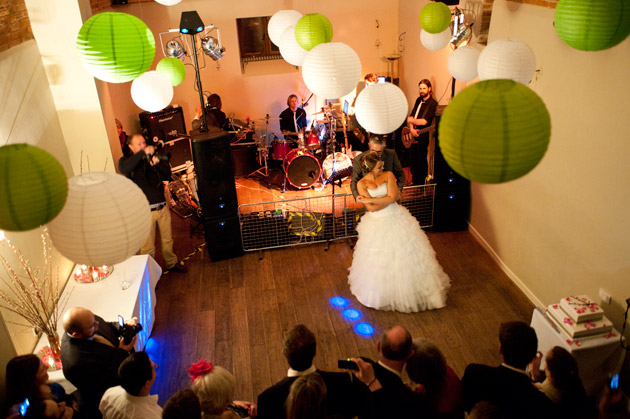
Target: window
x,y
253,41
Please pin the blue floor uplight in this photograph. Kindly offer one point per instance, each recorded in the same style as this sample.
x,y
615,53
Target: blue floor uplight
x,y
364,329
338,302
351,314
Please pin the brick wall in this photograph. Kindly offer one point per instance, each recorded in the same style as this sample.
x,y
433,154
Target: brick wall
x,y
15,23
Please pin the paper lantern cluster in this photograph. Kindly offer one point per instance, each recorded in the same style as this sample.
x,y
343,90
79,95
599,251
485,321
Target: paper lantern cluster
x,y
281,20
313,29
507,59
33,187
495,131
592,25
381,108
331,70
152,91
435,41
115,47
435,17
105,221
173,69
462,63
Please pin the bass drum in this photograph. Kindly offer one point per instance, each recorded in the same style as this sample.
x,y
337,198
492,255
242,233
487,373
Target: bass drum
x,y
340,161
302,168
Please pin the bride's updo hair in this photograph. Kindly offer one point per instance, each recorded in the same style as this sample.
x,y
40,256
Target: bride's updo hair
x,y
367,162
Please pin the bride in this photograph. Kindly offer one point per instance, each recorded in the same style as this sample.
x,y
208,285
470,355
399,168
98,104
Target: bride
x,y
394,266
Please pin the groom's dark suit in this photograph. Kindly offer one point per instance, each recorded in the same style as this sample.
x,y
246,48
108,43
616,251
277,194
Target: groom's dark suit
x,y
92,367
390,164
343,396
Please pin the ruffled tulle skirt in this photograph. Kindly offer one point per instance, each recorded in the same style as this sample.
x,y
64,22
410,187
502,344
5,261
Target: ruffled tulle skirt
x,y
394,266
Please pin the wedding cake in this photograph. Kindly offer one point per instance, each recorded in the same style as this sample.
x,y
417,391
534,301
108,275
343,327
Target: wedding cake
x,y
579,317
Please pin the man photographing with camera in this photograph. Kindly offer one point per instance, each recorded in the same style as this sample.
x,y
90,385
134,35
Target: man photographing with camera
x,y
148,171
91,352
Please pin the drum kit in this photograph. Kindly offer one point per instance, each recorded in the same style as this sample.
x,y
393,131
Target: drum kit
x,y
308,159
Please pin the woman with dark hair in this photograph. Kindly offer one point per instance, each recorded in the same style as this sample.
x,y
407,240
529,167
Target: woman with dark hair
x,y
27,378
394,266
561,382
441,387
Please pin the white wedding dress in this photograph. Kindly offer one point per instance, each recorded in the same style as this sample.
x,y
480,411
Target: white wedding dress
x,y
394,266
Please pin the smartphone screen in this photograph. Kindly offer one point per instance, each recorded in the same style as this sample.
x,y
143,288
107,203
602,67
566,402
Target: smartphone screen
x,y
24,406
121,320
347,364
614,382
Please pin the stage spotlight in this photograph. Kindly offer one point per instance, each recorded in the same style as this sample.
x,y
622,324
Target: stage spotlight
x,y
212,48
462,37
338,302
174,49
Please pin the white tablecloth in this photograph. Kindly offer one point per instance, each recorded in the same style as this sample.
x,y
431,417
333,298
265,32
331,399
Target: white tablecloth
x,y
596,357
107,299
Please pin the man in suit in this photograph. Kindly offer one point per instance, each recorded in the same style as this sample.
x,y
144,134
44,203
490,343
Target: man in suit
x,y
394,349
391,163
508,386
91,352
343,391
421,117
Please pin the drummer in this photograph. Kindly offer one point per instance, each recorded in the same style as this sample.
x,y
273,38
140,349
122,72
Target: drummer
x,y
292,119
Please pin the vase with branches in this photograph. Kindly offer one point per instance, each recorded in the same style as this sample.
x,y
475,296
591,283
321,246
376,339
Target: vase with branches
x,y
33,293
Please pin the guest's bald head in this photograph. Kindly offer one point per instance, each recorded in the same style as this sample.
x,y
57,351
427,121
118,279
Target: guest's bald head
x,y
79,322
396,344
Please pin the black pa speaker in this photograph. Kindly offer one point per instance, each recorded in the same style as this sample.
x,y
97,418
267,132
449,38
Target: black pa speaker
x,y
223,238
215,175
452,193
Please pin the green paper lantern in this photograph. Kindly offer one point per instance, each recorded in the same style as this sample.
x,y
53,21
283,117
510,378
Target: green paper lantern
x,y
115,47
494,131
435,17
33,187
313,29
592,25
172,68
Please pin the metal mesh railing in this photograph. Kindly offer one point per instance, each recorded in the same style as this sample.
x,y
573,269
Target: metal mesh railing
x,y
292,222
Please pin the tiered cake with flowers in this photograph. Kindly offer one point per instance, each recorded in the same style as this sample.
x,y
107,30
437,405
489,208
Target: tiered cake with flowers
x,y
579,317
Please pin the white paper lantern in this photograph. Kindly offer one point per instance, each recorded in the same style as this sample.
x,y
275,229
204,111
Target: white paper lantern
x,y
106,220
290,50
279,22
168,2
435,41
331,70
152,91
462,63
507,59
381,108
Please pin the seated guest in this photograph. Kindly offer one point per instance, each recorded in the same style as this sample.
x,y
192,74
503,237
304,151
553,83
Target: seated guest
x,y
214,387
485,410
27,378
508,386
437,382
306,398
131,399
395,347
182,404
91,352
299,348
560,381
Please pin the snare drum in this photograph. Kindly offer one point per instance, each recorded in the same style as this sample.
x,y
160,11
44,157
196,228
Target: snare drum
x,y
302,168
280,149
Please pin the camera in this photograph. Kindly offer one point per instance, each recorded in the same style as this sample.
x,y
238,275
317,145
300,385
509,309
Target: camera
x,y
126,331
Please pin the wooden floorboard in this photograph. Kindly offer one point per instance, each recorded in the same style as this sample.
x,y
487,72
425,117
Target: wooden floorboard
x,y
236,312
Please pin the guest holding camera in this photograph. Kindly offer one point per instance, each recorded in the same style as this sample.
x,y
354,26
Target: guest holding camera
x,y
91,353
148,171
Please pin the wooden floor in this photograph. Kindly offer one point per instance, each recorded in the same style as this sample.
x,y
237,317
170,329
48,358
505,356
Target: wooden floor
x,y
234,312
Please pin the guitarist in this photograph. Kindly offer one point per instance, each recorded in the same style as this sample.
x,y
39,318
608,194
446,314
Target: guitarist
x,y
421,117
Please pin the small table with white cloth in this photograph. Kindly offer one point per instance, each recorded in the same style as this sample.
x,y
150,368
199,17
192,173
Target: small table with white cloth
x,y
108,299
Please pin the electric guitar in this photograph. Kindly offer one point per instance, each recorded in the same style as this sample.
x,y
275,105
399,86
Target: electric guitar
x,y
408,138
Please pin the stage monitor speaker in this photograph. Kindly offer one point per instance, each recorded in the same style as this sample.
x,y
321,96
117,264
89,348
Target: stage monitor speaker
x,y
215,175
223,238
164,125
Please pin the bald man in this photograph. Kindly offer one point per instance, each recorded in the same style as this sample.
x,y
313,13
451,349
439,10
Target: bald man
x,y
91,352
394,349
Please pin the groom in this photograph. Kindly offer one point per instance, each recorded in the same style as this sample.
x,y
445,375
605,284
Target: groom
x,y
390,163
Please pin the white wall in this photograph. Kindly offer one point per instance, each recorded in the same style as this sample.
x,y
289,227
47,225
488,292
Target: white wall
x,y
563,228
354,23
